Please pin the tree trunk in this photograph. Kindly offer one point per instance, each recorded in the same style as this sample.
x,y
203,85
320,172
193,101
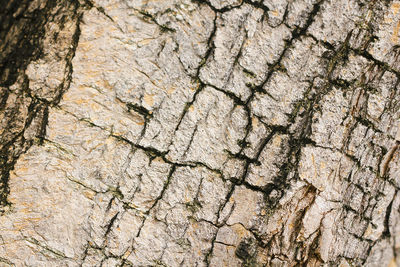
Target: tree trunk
x,y
199,133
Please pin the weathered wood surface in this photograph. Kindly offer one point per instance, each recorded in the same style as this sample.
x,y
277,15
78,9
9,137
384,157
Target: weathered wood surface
x,y
199,133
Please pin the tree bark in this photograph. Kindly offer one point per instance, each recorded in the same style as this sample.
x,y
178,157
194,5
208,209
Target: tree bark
x,y
199,133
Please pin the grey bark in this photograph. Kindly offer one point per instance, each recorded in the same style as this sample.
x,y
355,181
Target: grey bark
x,y
199,133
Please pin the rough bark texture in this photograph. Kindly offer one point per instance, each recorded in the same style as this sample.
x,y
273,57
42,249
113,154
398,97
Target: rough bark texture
x,y
199,133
